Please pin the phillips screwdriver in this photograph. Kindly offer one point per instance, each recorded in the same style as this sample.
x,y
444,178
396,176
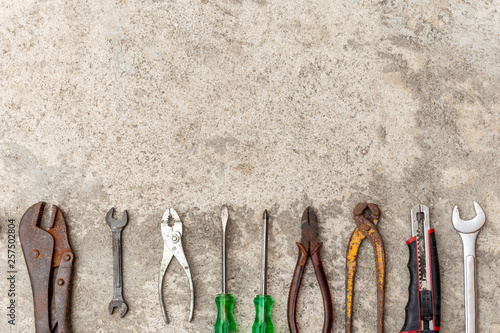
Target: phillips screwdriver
x,y
263,302
225,302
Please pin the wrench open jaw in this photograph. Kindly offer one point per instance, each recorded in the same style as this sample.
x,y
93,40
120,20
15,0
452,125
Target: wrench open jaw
x,y
468,231
470,226
116,229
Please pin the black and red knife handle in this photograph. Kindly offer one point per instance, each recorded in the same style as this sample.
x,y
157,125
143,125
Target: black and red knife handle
x,y
412,320
323,284
413,310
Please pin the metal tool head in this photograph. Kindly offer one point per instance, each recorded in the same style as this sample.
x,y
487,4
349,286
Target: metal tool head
x,y
33,215
113,223
368,210
470,226
224,216
29,227
118,304
419,213
171,233
58,230
309,226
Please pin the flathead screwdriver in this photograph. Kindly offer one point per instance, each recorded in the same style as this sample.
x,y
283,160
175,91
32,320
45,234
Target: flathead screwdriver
x,y
263,302
225,302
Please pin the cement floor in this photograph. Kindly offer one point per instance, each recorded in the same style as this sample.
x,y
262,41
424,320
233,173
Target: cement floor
x,y
146,105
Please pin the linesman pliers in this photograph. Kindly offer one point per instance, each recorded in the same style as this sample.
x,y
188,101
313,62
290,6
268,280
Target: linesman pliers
x,y
309,247
49,259
172,236
366,216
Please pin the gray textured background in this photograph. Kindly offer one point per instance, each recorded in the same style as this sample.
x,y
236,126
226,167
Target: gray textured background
x,y
146,105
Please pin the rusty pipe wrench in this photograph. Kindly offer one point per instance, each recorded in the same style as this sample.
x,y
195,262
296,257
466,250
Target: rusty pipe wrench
x,y
49,259
468,231
366,217
116,229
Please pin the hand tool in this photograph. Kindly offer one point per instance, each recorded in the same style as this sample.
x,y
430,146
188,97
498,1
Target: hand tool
x,y
423,311
116,230
263,302
172,238
225,302
49,259
469,230
366,217
309,247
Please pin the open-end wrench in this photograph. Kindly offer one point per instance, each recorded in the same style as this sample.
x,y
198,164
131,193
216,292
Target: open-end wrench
x,y
116,229
469,230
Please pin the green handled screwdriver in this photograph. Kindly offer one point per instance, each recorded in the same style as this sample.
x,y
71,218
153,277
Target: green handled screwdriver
x,y
225,302
263,302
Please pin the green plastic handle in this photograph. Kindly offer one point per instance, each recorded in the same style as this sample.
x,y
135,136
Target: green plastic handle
x,y
225,322
263,322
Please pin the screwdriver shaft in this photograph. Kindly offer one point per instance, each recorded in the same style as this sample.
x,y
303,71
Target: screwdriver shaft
x,y
224,218
265,223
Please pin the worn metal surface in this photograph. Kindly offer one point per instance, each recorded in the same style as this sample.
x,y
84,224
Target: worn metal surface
x,y
49,260
116,229
309,246
172,238
366,217
469,230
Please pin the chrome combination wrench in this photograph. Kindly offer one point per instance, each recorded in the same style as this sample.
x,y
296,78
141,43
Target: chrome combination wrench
x,y
468,231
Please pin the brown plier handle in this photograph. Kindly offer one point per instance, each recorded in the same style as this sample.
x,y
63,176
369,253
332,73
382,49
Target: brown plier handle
x,y
323,284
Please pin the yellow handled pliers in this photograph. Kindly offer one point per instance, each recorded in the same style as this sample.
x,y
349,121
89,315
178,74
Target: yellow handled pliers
x,y
366,216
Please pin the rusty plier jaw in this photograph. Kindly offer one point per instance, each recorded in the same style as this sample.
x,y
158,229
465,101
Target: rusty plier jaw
x,y
309,227
369,211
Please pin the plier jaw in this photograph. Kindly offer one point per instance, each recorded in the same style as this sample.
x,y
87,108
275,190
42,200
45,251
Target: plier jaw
x,y
171,234
309,227
44,252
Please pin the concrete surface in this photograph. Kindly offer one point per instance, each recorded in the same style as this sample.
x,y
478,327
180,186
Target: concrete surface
x,y
146,105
